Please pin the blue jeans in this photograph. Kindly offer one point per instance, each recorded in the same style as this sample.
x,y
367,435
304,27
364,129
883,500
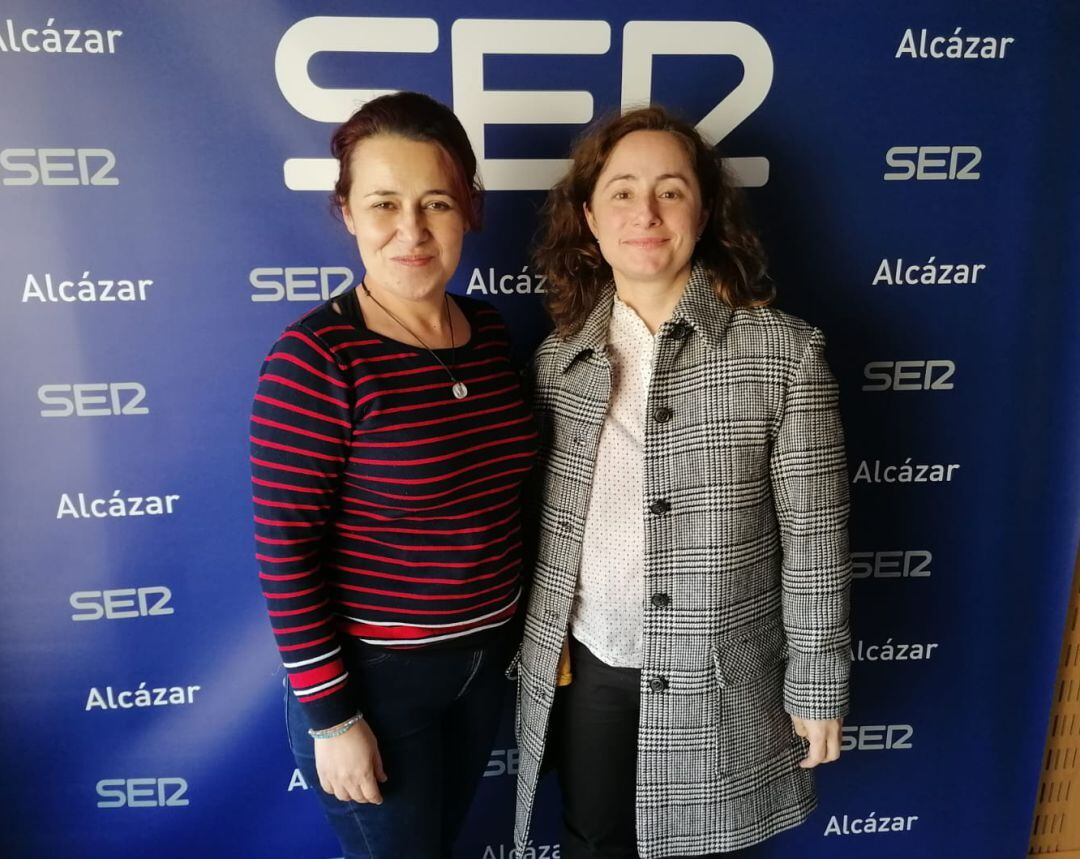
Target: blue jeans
x,y
434,714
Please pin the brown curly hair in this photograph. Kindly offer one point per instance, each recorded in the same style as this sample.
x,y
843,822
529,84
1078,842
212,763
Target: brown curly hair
x,y
567,254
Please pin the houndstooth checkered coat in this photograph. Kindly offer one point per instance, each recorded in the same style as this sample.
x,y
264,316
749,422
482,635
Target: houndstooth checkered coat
x,y
747,569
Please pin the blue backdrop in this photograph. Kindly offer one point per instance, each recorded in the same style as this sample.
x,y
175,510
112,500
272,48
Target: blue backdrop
x,y
164,213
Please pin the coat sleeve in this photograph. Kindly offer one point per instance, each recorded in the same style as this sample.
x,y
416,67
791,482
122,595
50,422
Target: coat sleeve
x,y
300,432
808,471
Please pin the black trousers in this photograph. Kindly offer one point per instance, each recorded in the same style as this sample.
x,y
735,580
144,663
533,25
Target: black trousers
x,y
594,748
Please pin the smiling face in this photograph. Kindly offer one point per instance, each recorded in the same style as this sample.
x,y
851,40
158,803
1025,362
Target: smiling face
x,y
646,210
403,211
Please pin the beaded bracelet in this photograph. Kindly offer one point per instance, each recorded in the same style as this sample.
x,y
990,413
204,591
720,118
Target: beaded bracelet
x,y
337,730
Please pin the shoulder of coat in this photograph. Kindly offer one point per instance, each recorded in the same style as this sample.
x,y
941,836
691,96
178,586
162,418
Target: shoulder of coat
x,y
546,352
783,334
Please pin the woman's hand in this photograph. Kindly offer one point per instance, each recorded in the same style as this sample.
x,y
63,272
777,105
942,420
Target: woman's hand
x,y
349,766
824,737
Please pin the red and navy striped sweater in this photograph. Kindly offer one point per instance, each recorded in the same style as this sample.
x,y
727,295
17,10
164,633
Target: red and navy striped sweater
x,y
385,509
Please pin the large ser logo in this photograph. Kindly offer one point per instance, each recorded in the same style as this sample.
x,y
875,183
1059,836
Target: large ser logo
x,y
472,40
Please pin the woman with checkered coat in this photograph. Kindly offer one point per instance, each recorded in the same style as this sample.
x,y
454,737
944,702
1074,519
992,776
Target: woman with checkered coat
x,y
685,659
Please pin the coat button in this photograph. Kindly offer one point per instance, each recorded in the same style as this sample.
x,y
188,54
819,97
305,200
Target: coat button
x,y
658,684
662,415
660,600
679,331
660,506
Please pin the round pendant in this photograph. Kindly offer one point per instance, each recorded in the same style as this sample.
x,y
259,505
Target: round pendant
x,y
460,391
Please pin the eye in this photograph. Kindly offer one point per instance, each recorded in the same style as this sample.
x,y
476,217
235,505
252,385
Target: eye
x,y
621,195
440,205
671,194
385,205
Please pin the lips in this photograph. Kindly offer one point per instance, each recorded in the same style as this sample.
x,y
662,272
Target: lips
x,y
413,262
645,244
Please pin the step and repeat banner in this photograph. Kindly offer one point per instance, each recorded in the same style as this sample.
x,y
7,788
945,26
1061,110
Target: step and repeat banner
x,y
164,214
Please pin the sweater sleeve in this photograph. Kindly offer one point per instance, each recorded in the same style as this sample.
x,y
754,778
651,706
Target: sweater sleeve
x,y
300,432
809,479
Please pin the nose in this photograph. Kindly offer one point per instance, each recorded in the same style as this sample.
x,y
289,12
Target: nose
x,y
412,225
647,211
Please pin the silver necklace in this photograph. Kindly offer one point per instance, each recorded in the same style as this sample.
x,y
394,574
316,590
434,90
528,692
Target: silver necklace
x,y
458,387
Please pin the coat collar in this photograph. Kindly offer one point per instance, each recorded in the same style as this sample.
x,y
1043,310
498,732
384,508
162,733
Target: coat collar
x,y
700,310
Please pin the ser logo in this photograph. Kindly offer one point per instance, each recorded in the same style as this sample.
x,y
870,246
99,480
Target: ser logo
x,y
119,603
876,737
472,40
57,167
910,564
142,792
300,283
932,162
93,399
503,762
909,375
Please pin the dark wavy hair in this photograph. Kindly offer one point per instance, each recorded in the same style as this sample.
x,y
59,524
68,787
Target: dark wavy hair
x,y
414,116
568,255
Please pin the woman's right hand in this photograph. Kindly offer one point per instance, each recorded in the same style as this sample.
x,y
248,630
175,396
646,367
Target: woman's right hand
x,y
349,765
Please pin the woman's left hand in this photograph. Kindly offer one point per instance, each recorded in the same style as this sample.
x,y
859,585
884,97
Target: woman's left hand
x,y
824,737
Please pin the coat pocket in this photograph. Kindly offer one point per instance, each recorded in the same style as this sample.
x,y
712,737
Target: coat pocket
x,y
751,723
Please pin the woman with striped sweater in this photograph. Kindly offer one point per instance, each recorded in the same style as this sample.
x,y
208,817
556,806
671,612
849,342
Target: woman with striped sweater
x,y
389,442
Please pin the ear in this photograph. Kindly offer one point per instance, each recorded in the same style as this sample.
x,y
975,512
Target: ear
x,y
346,214
590,219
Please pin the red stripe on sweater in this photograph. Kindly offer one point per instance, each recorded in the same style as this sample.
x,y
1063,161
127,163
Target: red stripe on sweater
x,y
412,407
443,457
429,580
464,565
266,422
414,442
273,445
384,529
403,595
296,386
391,633
306,644
303,365
439,478
281,404
293,469
444,384
305,699
296,611
310,343
446,547
453,502
317,675
429,612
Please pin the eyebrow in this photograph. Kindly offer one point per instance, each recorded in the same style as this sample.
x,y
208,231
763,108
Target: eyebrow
x,y
662,176
386,193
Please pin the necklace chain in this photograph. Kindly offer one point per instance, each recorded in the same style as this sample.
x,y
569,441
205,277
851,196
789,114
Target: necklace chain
x,y
458,387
